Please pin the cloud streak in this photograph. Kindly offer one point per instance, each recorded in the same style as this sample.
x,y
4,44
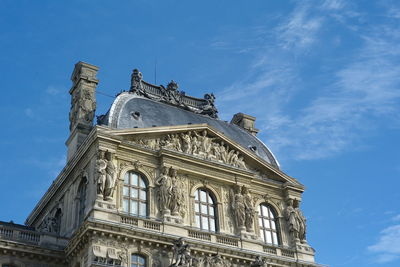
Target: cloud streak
x,y
349,102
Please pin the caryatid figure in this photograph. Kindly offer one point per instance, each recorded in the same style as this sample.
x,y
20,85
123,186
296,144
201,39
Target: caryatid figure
x,y
110,177
239,209
164,185
101,165
291,218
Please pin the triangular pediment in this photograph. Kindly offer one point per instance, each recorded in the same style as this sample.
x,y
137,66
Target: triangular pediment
x,y
203,142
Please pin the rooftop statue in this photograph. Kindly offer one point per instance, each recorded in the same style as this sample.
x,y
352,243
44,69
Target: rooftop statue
x,y
173,96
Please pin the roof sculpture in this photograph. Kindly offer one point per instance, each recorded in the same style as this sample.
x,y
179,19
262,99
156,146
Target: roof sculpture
x,y
146,105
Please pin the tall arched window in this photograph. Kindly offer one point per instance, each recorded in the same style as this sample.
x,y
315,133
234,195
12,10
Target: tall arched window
x,y
268,224
135,194
205,210
138,260
81,204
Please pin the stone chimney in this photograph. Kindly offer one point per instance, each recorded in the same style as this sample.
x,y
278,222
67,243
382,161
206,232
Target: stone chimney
x,y
83,104
246,122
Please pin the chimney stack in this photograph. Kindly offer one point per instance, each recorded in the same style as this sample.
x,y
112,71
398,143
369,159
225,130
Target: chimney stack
x,y
246,122
83,104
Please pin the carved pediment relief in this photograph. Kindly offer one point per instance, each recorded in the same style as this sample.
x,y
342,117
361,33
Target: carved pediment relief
x,y
196,143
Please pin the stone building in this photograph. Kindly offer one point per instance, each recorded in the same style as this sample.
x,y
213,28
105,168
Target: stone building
x,y
159,180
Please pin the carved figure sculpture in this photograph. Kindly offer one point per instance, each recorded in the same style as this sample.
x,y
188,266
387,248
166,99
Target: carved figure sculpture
x,y
136,81
291,218
258,262
198,144
181,255
301,221
176,194
164,185
110,177
101,165
249,209
239,209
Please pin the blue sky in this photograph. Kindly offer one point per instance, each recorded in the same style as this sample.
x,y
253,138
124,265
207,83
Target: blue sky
x,y
322,78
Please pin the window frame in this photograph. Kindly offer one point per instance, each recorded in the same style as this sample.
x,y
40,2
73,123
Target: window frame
x,y
210,202
137,263
138,198
265,230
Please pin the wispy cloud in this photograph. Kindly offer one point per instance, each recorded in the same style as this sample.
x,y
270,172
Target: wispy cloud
x,y
387,249
357,96
301,28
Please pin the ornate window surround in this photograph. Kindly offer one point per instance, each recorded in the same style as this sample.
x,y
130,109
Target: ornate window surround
x,y
269,228
136,192
206,210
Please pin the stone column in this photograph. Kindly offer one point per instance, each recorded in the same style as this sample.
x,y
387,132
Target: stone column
x,y
83,105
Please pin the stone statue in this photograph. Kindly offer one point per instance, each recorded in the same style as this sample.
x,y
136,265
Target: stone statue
x,y
239,209
164,185
249,209
291,218
101,165
208,107
110,177
136,81
301,222
182,255
176,193
258,262
240,163
186,142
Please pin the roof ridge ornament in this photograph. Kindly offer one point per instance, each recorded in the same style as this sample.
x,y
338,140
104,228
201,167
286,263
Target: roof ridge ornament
x,y
171,95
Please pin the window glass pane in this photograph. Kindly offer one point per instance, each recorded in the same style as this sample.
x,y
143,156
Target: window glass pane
x,y
275,238
271,215
141,260
196,208
204,209
126,191
134,193
142,209
264,210
212,225
269,237
134,258
125,205
134,207
273,224
260,222
211,210
141,183
266,224
142,194
126,178
203,196
262,235
134,179
204,223
197,220
196,195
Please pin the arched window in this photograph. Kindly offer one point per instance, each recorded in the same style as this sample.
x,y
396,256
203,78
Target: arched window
x,y
135,194
81,204
268,224
205,210
138,260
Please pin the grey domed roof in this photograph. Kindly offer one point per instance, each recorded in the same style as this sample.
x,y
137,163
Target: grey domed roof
x,y
150,113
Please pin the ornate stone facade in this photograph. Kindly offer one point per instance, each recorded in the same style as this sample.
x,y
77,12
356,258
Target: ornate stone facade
x,y
162,196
